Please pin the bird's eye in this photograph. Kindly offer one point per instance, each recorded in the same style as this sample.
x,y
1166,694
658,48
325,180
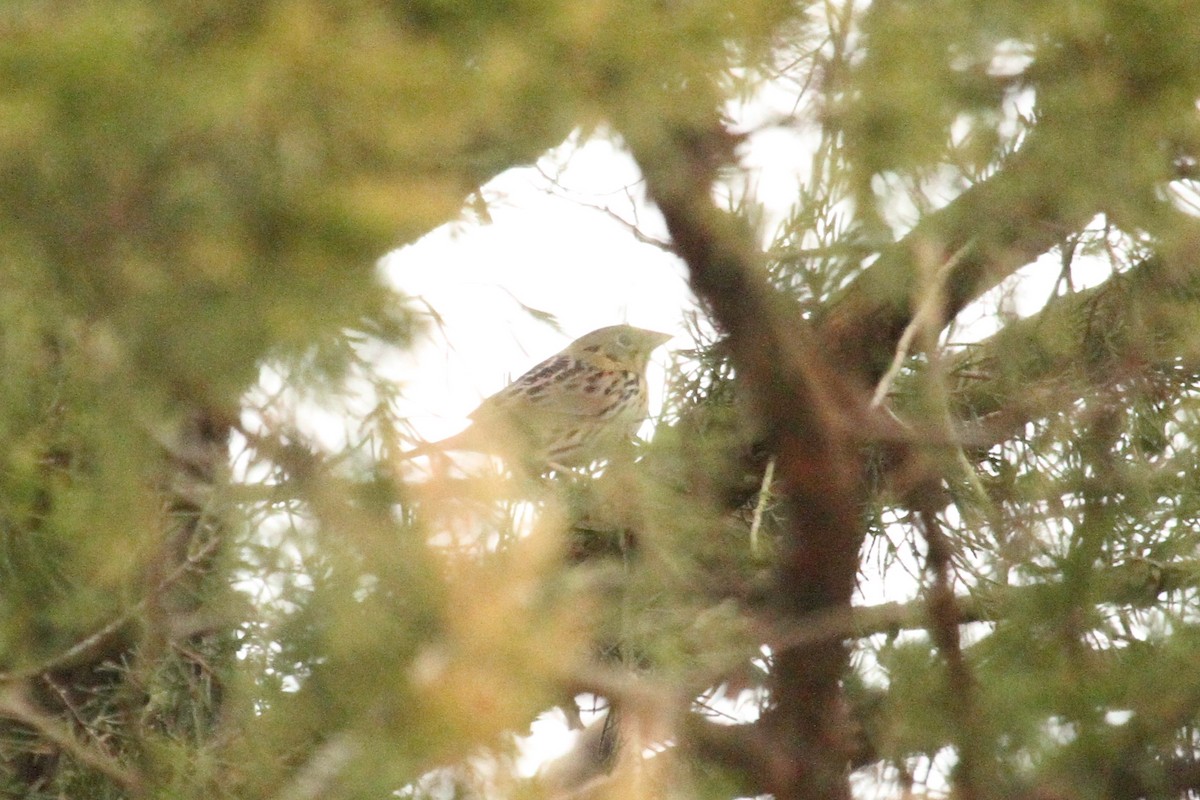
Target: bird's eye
x,y
625,340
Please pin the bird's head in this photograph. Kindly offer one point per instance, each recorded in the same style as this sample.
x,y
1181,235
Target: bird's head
x,y
625,345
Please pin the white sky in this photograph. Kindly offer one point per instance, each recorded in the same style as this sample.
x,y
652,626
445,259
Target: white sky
x,y
552,244
549,247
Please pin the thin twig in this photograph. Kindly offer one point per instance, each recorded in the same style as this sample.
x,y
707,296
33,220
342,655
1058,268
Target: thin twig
x,y
764,496
928,313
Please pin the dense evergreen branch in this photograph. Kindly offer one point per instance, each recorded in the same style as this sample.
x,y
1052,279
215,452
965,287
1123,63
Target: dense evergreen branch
x,y
1135,323
1137,584
16,704
1000,224
744,749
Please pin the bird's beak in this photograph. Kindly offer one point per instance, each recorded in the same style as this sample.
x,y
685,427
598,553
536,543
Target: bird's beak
x,y
657,339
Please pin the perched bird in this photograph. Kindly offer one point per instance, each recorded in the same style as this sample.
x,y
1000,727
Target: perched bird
x,y
574,408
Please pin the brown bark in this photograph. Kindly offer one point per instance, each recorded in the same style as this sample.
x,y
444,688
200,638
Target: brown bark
x,y
807,411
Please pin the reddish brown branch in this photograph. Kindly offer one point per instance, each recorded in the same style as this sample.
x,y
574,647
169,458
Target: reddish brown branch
x,y
960,701
808,412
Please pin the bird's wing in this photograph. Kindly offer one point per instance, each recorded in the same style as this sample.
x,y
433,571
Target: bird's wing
x,y
560,386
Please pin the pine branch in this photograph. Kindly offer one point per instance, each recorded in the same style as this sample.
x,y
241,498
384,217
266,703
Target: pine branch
x,y
1137,584
16,705
1000,224
1134,323
109,636
746,751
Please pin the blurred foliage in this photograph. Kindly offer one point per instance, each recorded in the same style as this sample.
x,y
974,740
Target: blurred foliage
x,y
197,600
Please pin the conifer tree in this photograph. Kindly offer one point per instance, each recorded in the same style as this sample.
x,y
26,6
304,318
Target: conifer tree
x,y
199,600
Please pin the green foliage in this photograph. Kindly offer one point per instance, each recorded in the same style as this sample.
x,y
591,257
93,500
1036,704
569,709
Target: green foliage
x,y
198,601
